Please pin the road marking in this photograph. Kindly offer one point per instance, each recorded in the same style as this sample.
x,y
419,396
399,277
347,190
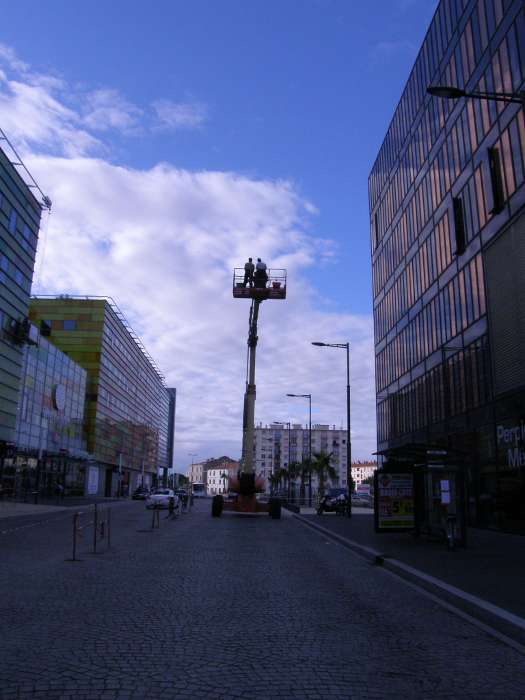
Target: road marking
x,y
39,522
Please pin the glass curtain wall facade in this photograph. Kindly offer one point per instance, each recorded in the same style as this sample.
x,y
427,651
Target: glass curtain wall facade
x,y
447,185
19,224
127,406
50,435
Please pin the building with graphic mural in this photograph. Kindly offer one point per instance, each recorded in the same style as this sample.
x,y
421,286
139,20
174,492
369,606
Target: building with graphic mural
x,y
127,403
50,442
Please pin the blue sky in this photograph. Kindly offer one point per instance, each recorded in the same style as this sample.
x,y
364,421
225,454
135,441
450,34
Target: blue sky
x,y
292,97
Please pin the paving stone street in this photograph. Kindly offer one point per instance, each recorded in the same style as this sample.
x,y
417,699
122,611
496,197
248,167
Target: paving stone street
x,y
236,607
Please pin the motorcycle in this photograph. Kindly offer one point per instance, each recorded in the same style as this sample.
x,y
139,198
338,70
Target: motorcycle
x,y
338,505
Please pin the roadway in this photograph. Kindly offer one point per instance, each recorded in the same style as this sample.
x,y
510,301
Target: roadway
x,y
236,607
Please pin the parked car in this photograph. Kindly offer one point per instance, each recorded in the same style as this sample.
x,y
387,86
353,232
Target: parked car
x,y
160,498
362,501
140,493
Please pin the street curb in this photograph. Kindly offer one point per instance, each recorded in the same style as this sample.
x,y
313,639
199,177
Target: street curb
x,y
500,619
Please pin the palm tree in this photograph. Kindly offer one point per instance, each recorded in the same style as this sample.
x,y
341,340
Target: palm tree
x,y
274,480
294,472
322,467
304,471
283,477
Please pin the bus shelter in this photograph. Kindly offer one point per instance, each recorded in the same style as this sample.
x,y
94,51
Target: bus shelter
x,y
421,488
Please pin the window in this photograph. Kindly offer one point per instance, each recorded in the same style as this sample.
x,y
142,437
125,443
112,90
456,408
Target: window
x,y
70,325
459,225
12,221
496,180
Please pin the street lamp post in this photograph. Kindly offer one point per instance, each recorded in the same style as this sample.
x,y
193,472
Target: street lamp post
x,y
289,426
309,397
289,451
449,92
192,455
345,346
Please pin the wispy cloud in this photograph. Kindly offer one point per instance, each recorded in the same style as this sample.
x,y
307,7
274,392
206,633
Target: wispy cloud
x,y
179,115
107,109
163,242
44,111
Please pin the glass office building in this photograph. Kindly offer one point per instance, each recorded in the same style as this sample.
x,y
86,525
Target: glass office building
x,y
50,437
19,224
127,403
447,197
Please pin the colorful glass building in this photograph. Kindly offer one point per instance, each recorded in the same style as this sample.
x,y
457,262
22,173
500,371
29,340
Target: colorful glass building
x,y
127,403
50,442
447,196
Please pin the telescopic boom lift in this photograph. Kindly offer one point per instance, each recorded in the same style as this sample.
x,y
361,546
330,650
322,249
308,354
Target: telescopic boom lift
x,y
270,286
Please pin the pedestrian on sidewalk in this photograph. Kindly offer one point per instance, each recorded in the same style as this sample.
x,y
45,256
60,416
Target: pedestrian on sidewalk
x,y
59,491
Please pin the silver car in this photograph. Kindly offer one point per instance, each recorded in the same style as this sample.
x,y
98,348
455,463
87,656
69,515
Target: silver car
x,y
160,498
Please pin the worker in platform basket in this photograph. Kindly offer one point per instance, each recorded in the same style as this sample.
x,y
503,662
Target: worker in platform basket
x,y
249,269
260,277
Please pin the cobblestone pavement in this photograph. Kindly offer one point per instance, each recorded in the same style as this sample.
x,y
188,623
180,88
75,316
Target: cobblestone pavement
x,y
233,607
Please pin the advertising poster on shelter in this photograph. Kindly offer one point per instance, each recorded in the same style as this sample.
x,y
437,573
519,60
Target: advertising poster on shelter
x,y
395,502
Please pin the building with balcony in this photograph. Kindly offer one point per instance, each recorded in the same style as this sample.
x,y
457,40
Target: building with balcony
x,y
217,481
447,217
127,403
278,444
361,471
196,473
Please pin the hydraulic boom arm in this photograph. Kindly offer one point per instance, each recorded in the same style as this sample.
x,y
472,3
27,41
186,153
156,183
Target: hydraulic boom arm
x,y
250,393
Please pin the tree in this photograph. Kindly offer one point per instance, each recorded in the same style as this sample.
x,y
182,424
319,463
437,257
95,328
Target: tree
x,y
274,479
294,472
283,477
305,470
225,477
322,467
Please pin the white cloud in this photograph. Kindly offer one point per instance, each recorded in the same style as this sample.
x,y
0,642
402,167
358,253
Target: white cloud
x,y
163,243
107,109
11,59
179,115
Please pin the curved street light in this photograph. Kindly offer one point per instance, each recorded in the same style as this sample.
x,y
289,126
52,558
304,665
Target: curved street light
x,y
450,92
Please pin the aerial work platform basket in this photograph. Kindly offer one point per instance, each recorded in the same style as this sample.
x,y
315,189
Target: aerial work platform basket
x,y
272,288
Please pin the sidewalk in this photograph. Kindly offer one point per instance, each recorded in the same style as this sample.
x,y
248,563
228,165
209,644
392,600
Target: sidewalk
x,y
10,509
492,567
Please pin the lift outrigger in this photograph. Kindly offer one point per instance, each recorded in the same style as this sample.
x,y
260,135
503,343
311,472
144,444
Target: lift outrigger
x,y
246,485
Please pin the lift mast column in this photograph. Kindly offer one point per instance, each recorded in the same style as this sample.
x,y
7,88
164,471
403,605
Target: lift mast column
x,y
266,284
250,393
272,285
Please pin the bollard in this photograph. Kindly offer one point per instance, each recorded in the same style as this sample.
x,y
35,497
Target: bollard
x,y
109,528
155,521
95,526
75,529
